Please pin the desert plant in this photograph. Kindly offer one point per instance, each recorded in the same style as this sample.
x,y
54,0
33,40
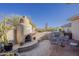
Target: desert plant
x,y
3,34
3,30
15,20
33,25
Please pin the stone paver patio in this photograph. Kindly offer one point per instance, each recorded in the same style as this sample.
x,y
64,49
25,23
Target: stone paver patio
x,y
43,49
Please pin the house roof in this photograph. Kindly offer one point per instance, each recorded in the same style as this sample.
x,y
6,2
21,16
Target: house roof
x,y
66,25
74,18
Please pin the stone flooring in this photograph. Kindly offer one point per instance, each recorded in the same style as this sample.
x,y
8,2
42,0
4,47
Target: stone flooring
x,y
46,49
43,49
63,51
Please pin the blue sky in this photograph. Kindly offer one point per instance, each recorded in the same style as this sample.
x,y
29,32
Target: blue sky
x,y
53,14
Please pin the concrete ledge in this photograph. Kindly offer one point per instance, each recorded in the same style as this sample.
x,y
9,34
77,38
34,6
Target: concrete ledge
x,y
27,46
18,49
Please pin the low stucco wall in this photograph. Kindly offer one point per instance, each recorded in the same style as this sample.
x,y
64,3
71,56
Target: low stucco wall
x,y
10,35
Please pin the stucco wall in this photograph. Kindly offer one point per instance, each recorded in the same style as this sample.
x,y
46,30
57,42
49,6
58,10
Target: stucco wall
x,y
75,29
10,35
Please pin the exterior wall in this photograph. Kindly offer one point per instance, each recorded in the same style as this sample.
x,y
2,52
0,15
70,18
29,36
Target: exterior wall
x,y
75,29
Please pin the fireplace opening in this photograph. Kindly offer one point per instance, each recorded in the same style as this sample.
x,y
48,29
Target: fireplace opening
x,y
28,38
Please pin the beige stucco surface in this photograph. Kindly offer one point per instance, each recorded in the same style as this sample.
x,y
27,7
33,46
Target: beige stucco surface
x,y
75,29
10,35
19,36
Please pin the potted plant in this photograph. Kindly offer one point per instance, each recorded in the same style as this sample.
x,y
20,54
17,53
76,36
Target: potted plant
x,y
3,36
7,46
